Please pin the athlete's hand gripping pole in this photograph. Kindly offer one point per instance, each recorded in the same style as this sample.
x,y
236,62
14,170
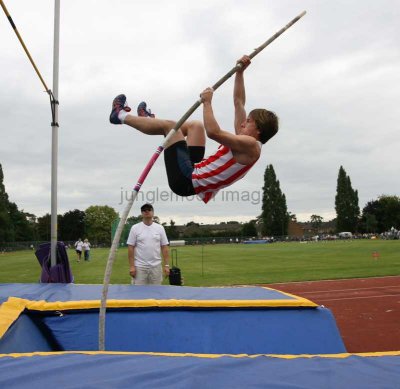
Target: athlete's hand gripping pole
x,y
136,189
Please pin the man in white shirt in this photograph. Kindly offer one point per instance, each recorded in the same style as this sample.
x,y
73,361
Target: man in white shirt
x,y
147,241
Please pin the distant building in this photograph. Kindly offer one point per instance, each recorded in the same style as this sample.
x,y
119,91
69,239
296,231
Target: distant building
x,y
295,229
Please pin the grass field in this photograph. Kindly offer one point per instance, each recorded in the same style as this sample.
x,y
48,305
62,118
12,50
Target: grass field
x,y
217,265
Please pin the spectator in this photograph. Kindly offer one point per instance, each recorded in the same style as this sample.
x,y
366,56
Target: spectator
x,y
86,249
146,242
78,249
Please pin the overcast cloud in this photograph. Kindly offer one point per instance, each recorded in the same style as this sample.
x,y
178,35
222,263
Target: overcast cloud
x,y
333,79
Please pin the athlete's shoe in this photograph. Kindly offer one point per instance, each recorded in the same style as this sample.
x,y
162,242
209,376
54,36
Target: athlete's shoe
x,y
118,104
143,111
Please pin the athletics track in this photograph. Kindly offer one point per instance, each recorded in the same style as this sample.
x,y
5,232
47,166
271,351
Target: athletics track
x,y
367,310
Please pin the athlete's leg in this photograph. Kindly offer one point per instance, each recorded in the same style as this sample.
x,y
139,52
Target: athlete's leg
x,y
193,130
149,126
178,158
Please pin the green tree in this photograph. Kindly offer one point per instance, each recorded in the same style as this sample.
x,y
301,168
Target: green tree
x,y
72,225
371,224
346,204
15,225
43,227
316,222
98,220
6,226
23,229
134,220
390,212
274,214
192,224
250,228
171,230
382,214
32,220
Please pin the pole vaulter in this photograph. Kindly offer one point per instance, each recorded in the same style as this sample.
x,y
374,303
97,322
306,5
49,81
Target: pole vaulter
x,y
146,171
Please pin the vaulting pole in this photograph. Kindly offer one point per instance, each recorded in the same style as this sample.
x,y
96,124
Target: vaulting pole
x,y
23,44
153,159
54,114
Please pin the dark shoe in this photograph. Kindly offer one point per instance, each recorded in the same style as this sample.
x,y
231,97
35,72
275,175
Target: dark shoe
x,y
118,104
143,112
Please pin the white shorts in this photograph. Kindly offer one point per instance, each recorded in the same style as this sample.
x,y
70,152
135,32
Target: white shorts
x,y
148,276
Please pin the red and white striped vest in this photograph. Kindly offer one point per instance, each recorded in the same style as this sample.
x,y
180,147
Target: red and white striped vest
x,y
216,172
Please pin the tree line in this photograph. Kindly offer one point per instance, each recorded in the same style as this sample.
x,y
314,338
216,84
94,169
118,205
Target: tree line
x,y
19,226
377,216
95,222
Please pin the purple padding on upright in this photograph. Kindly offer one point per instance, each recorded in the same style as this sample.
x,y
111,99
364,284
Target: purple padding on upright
x,y
59,273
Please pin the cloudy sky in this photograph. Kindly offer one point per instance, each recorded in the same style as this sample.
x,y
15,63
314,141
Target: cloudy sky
x,y
333,79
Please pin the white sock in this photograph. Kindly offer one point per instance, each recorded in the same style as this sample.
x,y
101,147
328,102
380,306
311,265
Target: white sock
x,y
122,115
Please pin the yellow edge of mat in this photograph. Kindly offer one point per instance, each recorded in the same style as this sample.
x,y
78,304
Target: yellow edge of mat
x,y
14,306
42,305
210,356
9,312
288,294
171,303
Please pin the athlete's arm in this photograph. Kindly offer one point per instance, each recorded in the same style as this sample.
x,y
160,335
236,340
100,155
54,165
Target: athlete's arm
x,y
239,93
242,144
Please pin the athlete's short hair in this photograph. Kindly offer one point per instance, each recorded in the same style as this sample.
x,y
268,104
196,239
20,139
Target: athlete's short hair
x,y
267,122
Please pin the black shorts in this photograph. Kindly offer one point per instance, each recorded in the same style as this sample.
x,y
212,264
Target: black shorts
x,y
179,163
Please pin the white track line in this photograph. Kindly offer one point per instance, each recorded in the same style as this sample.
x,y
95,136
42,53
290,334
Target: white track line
x,y
361,297
344,290
335,280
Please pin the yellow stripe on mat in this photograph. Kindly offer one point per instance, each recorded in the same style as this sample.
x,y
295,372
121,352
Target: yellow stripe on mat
x,y
9,312
172,303
14,306
210,356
